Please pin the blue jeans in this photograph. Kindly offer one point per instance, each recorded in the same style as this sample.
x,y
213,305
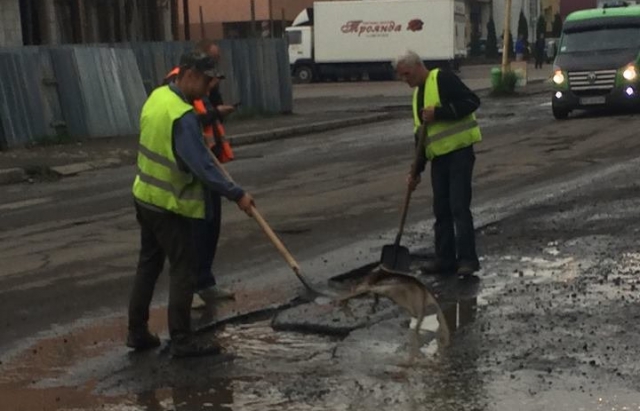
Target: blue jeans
x,y
206,234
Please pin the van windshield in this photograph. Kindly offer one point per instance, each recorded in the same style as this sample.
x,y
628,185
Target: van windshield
x,y
599,39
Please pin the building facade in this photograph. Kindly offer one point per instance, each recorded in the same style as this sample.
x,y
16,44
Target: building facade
x,y
569,6
549,9
531,9
218,19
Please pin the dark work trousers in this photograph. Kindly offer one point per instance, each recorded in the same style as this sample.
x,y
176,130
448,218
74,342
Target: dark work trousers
x,y
206,234
164,235
451,183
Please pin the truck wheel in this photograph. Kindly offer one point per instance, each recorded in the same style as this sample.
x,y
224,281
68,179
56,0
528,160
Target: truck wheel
x,y
559,114
304,74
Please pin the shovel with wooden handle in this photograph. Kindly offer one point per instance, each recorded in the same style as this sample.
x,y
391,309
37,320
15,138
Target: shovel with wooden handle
x,y
394,256
313,291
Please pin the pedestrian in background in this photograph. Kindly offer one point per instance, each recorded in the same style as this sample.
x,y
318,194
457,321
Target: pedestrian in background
x,y
446,105
521,48
539,51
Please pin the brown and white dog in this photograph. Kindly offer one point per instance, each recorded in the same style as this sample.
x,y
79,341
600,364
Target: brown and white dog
x,y
407,292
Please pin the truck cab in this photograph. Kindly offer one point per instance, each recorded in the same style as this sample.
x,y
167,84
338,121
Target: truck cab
x,y
598,60
300,42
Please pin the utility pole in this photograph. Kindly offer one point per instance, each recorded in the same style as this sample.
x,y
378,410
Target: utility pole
x,y
271,18
122,27
82,22
505,39
187,24
253,18
202,33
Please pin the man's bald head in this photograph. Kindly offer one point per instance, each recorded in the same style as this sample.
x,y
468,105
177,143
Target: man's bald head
x,y
210,47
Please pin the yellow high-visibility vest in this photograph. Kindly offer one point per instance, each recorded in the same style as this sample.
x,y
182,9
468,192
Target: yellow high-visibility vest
x,y
444,137
159,181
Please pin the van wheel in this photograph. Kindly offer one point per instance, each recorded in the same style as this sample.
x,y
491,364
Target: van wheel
x,y
560,114
304,74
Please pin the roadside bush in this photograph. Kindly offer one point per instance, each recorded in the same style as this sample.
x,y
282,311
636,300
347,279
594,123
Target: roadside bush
x,y
507,84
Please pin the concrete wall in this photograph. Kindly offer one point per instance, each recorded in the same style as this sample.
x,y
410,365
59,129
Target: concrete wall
x,y
240,10
10,27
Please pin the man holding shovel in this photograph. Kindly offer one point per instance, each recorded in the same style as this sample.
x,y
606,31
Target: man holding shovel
x,y
446,106
174,168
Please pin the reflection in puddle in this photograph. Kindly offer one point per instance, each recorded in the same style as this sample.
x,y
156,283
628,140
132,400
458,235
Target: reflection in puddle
x,y
294,371
219,397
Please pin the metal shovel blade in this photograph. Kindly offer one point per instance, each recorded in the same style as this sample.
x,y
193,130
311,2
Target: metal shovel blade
x,y
396,257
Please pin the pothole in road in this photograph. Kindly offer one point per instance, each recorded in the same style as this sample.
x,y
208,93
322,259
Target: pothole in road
x,y
298,371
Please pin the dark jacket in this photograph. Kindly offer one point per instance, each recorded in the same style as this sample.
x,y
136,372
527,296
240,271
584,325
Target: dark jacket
x,y
456,99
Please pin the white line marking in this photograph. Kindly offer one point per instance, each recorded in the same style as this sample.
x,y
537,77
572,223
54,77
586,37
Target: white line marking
x,y
25,203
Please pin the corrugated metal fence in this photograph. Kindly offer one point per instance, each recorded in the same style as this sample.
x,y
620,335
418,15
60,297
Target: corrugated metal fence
x,y
91,91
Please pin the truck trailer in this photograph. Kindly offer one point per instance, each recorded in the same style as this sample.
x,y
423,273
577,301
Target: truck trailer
x,y
361,38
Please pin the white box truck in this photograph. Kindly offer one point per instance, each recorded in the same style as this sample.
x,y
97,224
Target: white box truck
x,y
354,38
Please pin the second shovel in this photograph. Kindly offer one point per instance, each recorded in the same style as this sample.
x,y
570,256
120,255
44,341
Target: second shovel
x,y
394,256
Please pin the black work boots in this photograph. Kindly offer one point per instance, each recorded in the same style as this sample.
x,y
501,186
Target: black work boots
x,y
462,268
181,346
141,340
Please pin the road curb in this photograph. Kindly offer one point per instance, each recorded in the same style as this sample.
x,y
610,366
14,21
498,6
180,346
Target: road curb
x,y
77,168
20,174
12,176
293,131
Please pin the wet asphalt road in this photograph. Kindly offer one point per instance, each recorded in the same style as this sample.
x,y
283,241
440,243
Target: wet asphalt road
x,y
553,324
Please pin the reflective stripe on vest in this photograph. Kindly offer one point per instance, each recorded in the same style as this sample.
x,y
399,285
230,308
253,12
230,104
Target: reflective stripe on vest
x,y
160,182
444,136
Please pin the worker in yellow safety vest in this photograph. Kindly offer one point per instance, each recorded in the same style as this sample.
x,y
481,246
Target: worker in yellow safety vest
x,y
174,170
446,106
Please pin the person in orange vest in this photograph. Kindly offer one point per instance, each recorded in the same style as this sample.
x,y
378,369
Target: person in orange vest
x,y
207,232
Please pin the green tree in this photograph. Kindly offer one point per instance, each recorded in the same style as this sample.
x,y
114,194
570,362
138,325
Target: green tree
x,y
475,44
556,29
541,27
491,49
523,28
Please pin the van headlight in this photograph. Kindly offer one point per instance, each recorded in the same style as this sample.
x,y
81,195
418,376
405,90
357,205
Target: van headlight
x,y
630,73
559,77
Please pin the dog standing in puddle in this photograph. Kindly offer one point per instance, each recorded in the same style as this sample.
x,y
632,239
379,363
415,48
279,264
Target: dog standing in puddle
x,y
407,292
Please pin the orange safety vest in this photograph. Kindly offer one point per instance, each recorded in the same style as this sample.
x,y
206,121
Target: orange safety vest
x,y
214,134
